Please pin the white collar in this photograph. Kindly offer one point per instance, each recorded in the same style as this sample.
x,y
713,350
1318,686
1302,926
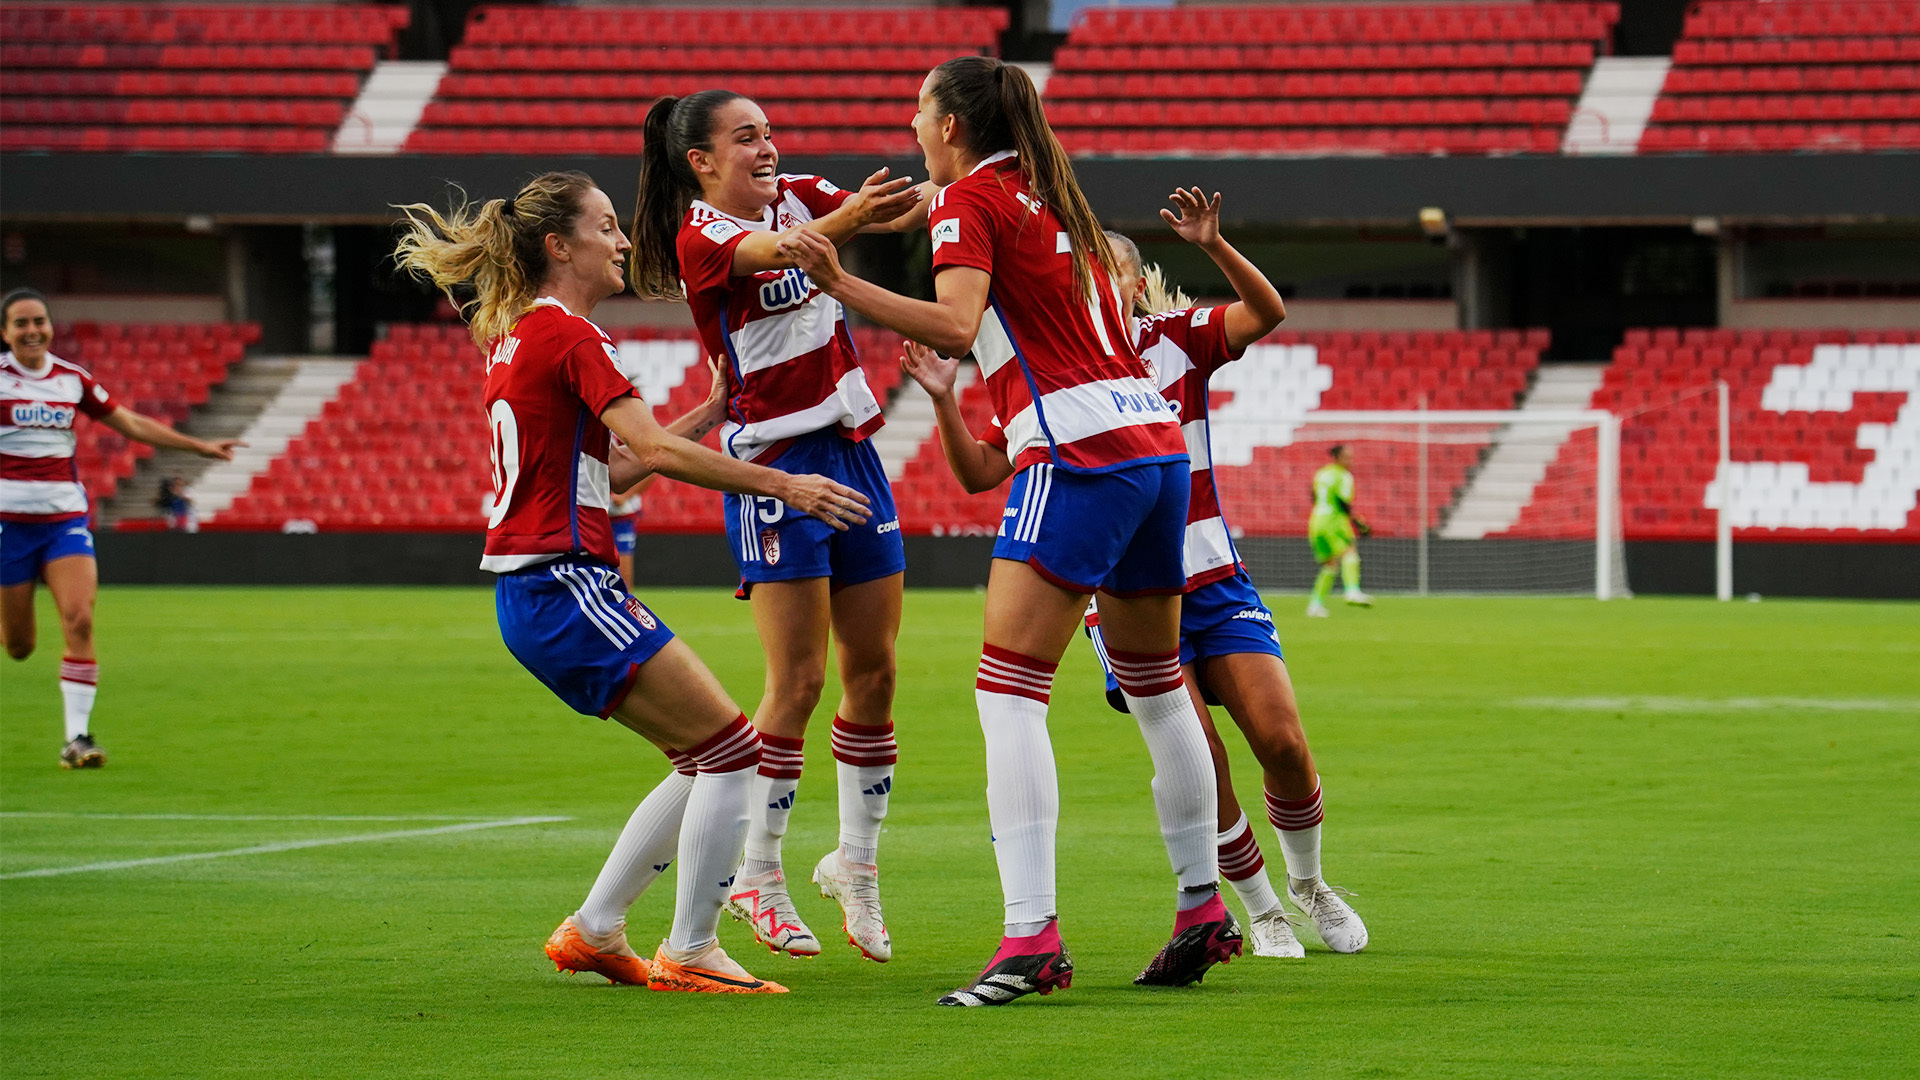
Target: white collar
x,y
44,370
548,301
765,221
993,159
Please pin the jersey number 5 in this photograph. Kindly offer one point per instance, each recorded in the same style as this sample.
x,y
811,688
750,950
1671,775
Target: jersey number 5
x,y
506,458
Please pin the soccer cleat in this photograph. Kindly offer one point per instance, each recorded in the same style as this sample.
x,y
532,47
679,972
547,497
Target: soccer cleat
x,y
1272,935
762,902
1333,920
1316,611
1359,599
80,753
1202,937
572,950
856,887
1038,964
709,971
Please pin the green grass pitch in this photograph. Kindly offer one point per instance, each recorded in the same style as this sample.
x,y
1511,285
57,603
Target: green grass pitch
x,y
1651,838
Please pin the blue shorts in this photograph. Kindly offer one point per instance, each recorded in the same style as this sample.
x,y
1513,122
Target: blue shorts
x,y
1118,532
624,532
774,542
1217,619
27,546
573,623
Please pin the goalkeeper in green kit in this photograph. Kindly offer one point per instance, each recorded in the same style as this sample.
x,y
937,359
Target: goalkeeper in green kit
x,y
1331,530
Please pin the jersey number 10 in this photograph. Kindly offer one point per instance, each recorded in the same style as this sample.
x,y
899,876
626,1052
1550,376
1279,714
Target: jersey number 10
x,y
506,458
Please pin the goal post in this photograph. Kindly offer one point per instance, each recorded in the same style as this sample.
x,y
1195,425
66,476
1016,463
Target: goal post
x,y
1489,501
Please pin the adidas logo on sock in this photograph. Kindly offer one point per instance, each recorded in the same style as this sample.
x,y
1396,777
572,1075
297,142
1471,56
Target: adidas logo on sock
x,y
880,788
785,803
662,867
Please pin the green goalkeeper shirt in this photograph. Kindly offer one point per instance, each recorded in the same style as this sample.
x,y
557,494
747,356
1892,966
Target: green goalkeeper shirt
x,y
1332,496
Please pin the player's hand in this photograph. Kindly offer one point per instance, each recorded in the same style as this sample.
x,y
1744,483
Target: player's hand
x,y
936,374
1361,528
222,450
815,255
1198,220
880,200
834,503
714,409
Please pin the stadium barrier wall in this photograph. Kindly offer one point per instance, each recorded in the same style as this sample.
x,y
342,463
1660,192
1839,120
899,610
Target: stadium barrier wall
x,y
1872,571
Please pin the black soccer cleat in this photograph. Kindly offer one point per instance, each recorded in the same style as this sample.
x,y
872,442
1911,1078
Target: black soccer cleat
x,y
1019,974
80,753
1213,938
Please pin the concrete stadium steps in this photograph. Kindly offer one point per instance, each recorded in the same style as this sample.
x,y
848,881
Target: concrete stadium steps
x,y
389,107
1505,482
911,423
309,383
1614,108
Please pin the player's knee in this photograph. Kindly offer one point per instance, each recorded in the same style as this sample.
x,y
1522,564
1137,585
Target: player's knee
x,y
798,690
20,648
1281,746
78,626
872,681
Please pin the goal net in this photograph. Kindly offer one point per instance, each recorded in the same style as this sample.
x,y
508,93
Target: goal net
x,y
1512,501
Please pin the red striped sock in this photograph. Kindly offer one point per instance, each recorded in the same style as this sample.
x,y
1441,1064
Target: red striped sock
x,y
1145,675
1293,815
682,764
1003,671
1240,856
79,671
865,745
780,757
731,749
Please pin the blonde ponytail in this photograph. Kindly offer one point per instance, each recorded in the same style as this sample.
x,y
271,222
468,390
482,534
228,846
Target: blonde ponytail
x,y
1159,297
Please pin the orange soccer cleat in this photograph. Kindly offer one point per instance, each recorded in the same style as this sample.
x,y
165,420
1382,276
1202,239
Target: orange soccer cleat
x,y
710,971
572,950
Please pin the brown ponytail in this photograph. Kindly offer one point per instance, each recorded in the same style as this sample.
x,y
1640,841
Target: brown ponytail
x,y
499,249
1001,109
668,185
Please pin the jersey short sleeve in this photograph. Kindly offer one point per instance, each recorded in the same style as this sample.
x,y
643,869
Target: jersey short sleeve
x,y
817,194
995,435
962,224
94,399
706,253
588,370
1207,339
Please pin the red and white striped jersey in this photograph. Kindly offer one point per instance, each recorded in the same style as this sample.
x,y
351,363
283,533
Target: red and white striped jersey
x,y
794,369
1060,370
548,381
1183,349
38,478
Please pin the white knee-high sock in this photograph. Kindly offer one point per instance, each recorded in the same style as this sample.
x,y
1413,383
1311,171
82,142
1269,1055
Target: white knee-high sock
x,y
644,851
1183,784
1298,823
712,832
1242,864
864,756
79,679
1023,790
775,787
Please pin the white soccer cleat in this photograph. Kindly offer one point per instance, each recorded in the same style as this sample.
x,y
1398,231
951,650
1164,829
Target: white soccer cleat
x,y
1316,611
762,902
1359,599
856,886
1272,935
1333,920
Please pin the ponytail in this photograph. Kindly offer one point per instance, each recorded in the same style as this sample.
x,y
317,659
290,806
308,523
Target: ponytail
x,y
1002,111
498,251
1158,296
667,187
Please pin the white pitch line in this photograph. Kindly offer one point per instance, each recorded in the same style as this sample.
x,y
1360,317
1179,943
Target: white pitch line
x,y
243,817
1739,704
286,845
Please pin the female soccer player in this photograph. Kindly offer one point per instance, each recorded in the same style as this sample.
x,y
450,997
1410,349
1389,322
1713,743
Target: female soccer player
x,y
1098,502
1332,529
43,507
711,212
537,265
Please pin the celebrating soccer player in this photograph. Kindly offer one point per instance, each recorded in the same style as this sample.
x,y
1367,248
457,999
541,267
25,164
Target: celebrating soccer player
x,y
712,210
1098,502
537,264
1332,529
43,507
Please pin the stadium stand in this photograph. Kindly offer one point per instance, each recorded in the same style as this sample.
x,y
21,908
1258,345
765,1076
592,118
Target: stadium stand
x,y
1811,413
1300,79
248,78
161,370
1785,75
579,80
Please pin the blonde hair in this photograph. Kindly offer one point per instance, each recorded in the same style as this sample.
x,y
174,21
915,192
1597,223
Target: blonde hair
x,y
1158,297
498,250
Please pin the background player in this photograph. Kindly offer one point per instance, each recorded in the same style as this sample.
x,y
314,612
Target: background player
x,y
627,508
537,265
711,211
1098,502
1331,529
43,506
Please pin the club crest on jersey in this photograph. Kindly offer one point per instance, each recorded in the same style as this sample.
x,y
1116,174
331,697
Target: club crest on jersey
x,y
640,613
770,546
40,414
790,289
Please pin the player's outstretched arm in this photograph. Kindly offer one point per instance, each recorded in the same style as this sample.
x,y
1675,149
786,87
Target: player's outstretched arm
x,y
154,433
977,465
659,451
1260,308
947,325
878,203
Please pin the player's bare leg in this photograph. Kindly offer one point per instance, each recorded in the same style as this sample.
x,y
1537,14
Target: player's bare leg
x,y
866,622
793,619
74,583
16,619
1259,696
1241,862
